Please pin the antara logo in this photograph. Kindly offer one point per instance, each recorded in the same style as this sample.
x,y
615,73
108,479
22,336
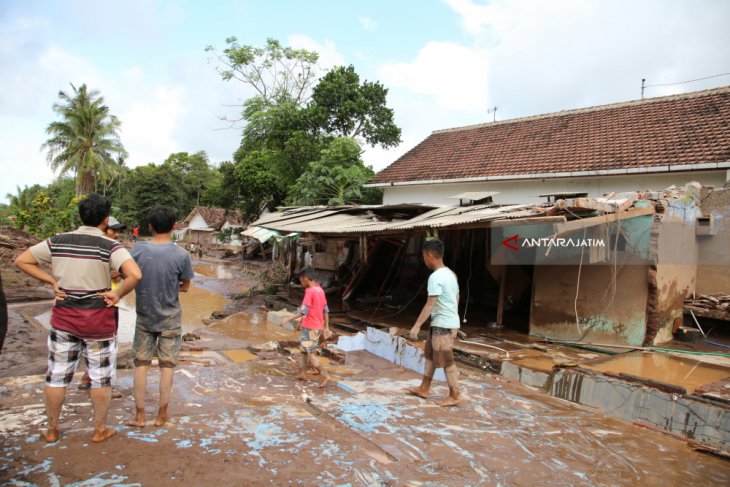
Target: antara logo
x,y
511,242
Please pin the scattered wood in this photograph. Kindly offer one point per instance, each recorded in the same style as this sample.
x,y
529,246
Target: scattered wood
x,y
715,306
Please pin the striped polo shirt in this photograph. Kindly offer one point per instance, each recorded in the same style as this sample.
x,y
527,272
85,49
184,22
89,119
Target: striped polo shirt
x,y
81,262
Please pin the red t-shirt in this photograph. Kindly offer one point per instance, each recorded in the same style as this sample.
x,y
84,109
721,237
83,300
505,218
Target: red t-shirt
x,y
316,300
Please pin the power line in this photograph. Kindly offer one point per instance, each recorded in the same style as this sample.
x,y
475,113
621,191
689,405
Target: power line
x,y
645,86
690,81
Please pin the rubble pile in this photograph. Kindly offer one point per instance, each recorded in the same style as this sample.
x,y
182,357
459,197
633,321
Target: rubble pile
x,y
12,243
715,305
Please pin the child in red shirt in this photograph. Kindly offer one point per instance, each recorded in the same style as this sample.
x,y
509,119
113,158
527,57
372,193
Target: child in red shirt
x,y
314,319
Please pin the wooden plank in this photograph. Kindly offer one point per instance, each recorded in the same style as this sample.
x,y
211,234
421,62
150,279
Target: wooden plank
x,y
582,223
591,204
500,303
525,221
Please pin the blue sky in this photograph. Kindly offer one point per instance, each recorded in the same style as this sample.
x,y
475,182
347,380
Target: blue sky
x,y
445,62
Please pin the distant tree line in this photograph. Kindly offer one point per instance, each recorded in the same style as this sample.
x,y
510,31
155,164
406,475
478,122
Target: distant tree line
x,y
302,143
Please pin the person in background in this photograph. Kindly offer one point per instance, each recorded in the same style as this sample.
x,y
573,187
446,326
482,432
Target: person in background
x,y
3,315
82,319
167,272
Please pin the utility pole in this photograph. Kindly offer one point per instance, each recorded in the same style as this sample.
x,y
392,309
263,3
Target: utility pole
x,y
643,85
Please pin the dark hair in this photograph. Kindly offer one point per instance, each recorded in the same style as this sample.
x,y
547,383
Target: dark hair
x,y
94,209
434,247
307,273
162,218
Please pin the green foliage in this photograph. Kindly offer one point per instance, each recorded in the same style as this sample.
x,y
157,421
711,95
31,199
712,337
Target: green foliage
x,y
226,235
5,214
147,186
275,72
337,178
197,176
299,151
343,106
258,184
44,219
23,197
85,141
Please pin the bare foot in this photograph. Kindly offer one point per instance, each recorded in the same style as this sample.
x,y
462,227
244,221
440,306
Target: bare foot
x,y
449,401
138,420
103,434
417,391
162,418
325,379
50,435
116,394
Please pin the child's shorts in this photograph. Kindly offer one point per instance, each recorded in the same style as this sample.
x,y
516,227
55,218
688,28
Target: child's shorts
x,y
309,340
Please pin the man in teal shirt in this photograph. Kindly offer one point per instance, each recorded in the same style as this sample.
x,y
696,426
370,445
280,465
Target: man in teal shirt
x,y
443,308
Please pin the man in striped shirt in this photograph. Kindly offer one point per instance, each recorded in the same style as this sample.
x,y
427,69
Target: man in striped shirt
x,y
82,319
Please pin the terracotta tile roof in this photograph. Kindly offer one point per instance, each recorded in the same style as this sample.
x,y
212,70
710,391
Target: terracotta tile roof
x,y
691,128
215,217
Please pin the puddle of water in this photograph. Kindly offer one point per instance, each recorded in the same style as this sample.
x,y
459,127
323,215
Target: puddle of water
x,y
677,371
535,360
253,327
218,271
239,356
197,305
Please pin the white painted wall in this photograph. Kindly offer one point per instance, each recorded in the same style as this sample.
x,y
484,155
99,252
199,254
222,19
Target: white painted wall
x,y
228,225
198,222
524,191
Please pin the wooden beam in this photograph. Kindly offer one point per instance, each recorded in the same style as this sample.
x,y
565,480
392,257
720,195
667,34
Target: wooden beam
x,y
528,221
500,303
582,223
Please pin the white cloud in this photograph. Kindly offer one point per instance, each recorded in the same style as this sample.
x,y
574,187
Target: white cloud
x,y
149,124
548,56
453,75
368,24
329,56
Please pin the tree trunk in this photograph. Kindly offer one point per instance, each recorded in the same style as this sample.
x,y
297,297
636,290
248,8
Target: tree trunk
x,y
84,183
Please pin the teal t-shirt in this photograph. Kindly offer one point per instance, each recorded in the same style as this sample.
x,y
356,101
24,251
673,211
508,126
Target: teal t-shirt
x,y
445,313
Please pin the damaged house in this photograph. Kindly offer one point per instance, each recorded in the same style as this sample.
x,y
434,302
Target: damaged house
x,y
552,223
612,270
204,224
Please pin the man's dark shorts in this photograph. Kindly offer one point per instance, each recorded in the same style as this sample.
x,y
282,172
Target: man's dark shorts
x,y
165,345
440,347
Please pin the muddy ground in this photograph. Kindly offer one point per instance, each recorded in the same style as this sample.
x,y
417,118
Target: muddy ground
x,y
239,416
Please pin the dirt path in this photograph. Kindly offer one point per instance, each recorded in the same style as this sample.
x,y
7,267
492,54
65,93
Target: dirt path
x,y
242,418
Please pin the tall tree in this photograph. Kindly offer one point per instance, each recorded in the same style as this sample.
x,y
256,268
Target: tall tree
x,y
85,141
147,186
343,106
197,175
337,178
276,73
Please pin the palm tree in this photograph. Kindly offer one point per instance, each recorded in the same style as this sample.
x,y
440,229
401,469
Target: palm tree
x,y
21,199
85,140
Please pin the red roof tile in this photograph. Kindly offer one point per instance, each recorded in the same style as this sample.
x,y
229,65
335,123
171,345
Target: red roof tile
x,y
215,217
691,128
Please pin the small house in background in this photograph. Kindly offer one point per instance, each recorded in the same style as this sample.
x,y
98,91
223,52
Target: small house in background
x,y
204,226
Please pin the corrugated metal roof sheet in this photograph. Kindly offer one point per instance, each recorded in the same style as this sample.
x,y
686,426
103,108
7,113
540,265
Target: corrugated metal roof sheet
x,y
263,235
336,222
